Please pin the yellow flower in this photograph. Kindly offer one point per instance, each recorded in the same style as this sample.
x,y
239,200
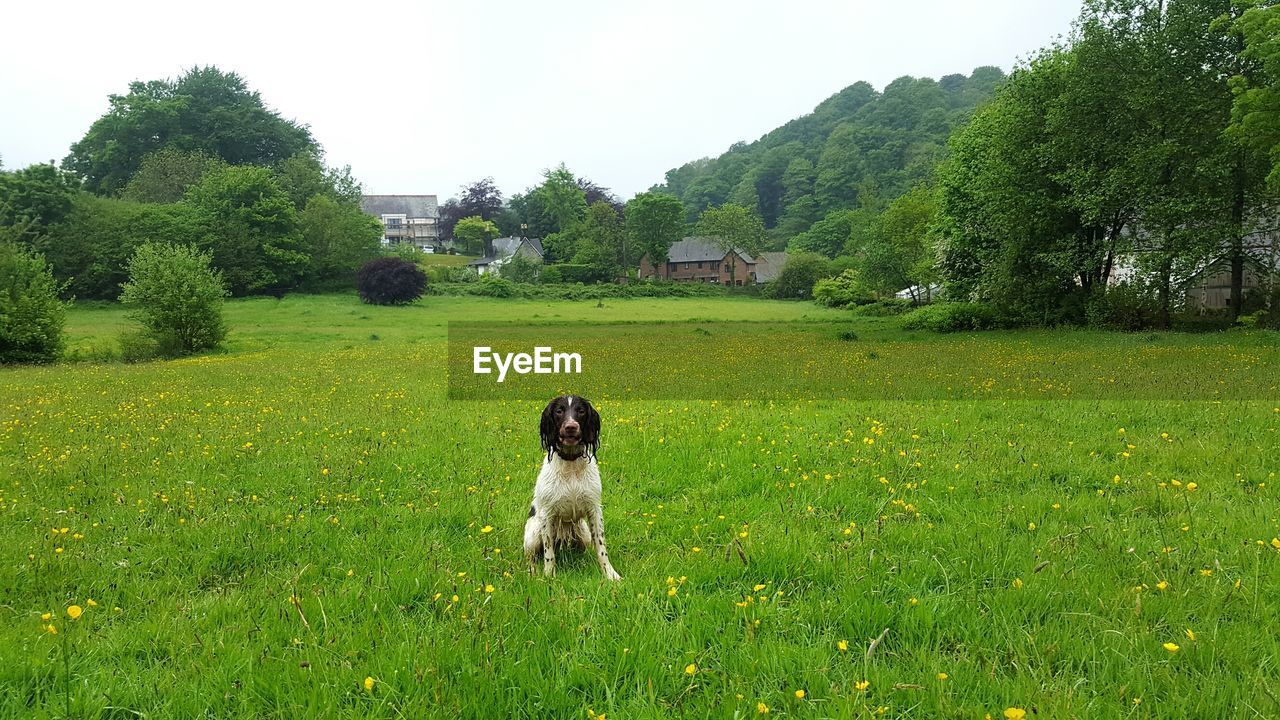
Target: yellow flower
x,y
1191,635
1014,713
914,601
1017,583
368,684
842,645
762,708
758,588
671,591
690,669
943,676
697,549
1275,543
74,612
1206,572
90,603
52,630
486,529
862,685
1191,486
1171,647
1031,526
1162,585
488,588
800,694
46,617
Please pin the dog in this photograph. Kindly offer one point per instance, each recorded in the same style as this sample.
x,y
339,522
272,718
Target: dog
x,y
566,507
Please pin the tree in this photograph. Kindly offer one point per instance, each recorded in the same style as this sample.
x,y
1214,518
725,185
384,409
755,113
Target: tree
x,y
480,199
304,175
1256,112
205,109
258,245
901,253
798,276
164,176
655,222
35,199
340,237
31,315
476,235
831,235
562,201
390,281
176,297
601,242
733,228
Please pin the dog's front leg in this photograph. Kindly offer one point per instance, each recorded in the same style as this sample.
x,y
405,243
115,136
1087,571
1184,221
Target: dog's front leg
x,y
597,540
548,548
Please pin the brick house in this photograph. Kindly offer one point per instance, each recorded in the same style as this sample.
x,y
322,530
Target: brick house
x,y
698,259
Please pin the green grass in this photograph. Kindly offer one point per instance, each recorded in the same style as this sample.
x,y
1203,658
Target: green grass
x,y
264,528
445,260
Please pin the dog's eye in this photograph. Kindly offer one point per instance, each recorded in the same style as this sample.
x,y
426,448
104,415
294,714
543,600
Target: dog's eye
x,y
559,411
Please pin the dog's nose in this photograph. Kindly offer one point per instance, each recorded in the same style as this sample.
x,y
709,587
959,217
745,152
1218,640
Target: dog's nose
x,y
571,427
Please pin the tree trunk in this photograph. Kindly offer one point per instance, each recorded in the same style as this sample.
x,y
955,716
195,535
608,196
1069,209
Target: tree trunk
x,y
1166,294
1237,240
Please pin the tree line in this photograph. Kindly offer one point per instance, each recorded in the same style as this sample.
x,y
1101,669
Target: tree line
x,y
197,161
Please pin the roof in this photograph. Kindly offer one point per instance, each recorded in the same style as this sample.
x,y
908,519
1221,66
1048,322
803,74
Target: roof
x,y
414,206
482,261
769,265
507,246
699,249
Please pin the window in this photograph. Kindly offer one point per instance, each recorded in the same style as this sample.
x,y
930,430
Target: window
x,y
699,265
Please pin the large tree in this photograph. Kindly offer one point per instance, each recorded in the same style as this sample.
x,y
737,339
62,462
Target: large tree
x,y
476,235
340,239
733,228
34,199
655,222
258,245
164,176
205,109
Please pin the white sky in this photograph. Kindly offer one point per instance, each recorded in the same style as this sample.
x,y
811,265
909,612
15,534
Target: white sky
x,y
421,97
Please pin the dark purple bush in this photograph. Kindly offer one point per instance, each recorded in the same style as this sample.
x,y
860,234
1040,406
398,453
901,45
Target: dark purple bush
x,y
390,281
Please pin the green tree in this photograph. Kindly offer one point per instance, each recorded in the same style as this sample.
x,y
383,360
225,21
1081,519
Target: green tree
x,y
601,242
799,274
205,109
176,297
31,315
654,222
35,199
304,175
901,253
256,243
164,176
340,237
476,235
563,203
1256,111
733,227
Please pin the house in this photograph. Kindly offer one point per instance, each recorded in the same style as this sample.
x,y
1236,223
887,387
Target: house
x,y
699,259
1209,289
407,220
503,249
769,266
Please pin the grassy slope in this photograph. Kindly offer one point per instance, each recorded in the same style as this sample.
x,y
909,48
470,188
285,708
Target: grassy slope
x,y
279,522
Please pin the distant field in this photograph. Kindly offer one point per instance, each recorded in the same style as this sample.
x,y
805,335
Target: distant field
x,y
262,530
446,260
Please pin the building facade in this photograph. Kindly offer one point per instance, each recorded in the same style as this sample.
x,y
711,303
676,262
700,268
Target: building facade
x,y
699,259
412,220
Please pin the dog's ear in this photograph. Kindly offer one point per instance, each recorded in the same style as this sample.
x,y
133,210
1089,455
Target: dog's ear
x,y
590,427
550,430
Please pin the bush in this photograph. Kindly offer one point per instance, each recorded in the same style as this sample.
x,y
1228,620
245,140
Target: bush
x,y
1126,306
390,281
841,291
551,275
953,317
491,285
798,276
521,269
31,315
176,297
884,308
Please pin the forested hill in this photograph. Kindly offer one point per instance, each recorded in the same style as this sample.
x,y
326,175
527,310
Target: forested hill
x,y
857,148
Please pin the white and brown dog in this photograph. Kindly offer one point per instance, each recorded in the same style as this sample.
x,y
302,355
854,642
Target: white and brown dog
x,y
566,499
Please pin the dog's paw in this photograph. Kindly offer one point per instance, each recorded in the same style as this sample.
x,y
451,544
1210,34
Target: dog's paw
x,y
612,575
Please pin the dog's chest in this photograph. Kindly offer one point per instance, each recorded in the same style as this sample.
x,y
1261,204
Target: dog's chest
x,y
567,490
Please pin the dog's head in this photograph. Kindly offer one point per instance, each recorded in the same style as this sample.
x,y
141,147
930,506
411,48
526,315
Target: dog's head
x,y
570,427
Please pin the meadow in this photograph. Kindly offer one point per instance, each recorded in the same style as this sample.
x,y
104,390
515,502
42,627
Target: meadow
x,y
306,525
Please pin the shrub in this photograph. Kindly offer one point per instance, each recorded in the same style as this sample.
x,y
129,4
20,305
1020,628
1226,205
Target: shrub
x,y
1127,306
176,297
551,274
31,315
952,317
798,276
521,269
493,286
390,281
842,290
884,308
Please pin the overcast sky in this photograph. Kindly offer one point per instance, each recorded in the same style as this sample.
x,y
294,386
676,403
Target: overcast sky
x,y
421,97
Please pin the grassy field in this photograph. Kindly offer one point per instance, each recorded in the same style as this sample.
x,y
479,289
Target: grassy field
x,y
305,526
